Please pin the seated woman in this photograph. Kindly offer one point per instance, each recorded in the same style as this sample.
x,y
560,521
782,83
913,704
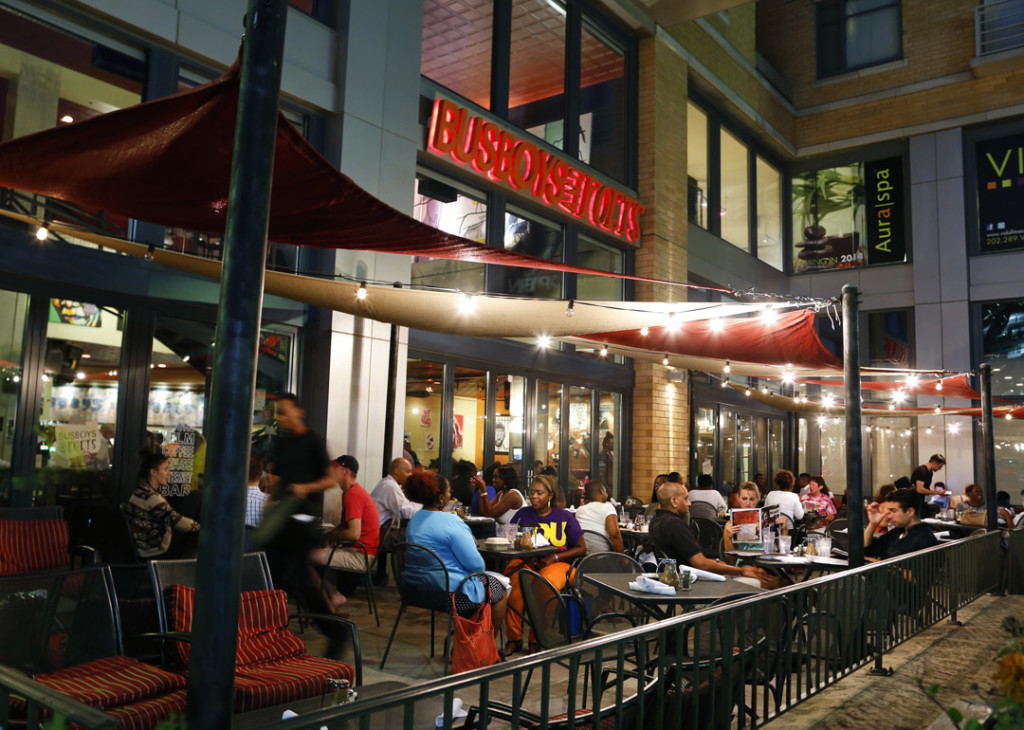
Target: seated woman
x,y
747,497
451,538
507,498
818,507
149,515
561,529
783,497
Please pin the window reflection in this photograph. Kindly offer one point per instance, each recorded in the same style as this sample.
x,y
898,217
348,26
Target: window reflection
x,y
735,189
448,208
509,419
548,418
579,435
532,236
602,105
423,386
608,433
769,214
537,71
891,445
706,427
469,414
697,165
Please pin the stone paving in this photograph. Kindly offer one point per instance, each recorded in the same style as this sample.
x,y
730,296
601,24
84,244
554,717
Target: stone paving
x,y
955,657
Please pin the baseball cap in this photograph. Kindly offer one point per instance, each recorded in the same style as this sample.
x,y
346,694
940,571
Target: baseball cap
x,y
349,462
938,458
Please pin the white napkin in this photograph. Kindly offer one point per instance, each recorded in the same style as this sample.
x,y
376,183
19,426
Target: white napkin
x,y
696,573
645,584
540,541
457,712
941,535
288,714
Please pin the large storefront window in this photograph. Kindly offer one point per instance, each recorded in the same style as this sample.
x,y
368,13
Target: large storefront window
x,y
457,47
80,391
833,452
603,104
580,433
594,255
510,419
849,216
735,182
548,418
769,214
706,427
891,445
441,204
536,92
12,330
608,432
697,165
535,237
424,385
469,415
728,440
1002,328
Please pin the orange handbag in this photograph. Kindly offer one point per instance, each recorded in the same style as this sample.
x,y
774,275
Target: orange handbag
x,y
473,644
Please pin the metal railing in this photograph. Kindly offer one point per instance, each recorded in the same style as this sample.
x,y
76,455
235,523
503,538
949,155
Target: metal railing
x,y
998,26
734,665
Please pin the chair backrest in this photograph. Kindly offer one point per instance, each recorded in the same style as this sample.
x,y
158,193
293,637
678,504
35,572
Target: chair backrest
x,y
709,536
29,544
596,542
58,619
839,539
703,510
545,610
592,599
421,576
166,573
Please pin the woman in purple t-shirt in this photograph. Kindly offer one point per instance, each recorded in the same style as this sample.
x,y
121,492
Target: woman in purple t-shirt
x,y
561,529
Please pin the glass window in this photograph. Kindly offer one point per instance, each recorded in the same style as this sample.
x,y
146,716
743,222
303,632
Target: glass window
x,y
891,446
12,329
456,50
735,189
727,423
833,452
509,419
609,433
424,383
706,426
801,448
697,165
536,97
532,236
889,342
745,458
469,415
853,34
80,389
594,255
769,214
548,417
1002,328
761,424
1009,448
776,429
602,104
448,208
580,435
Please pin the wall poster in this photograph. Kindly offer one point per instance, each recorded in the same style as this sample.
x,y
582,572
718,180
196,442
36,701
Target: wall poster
x,y
1000,167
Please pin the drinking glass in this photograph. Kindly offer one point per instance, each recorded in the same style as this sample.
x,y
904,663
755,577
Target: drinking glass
x,y
785,542
825,546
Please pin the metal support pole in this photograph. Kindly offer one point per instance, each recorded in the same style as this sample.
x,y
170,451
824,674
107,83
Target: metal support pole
x,y
389,411
988,446
854,432
215,623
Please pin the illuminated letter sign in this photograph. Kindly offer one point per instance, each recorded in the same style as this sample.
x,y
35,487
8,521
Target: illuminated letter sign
x,y
515,163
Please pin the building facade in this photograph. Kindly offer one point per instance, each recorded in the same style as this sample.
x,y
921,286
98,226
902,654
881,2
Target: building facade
x,y
885,153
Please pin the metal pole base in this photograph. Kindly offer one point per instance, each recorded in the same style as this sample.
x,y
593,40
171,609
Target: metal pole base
x,y
879,671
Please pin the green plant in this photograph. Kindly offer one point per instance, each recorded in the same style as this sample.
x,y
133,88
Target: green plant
x,y
818,193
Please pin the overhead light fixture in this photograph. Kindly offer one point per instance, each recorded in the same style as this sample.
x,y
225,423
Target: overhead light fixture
x,y
769,315
787,377
747,393
1009,416
892,406
938,410
828,400
912,381
361,291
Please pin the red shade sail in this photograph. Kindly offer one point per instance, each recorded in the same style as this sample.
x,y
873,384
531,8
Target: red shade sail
x,y
169,162
789,340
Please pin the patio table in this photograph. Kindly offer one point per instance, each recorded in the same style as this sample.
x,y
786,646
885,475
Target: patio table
x,y
500,557
662,606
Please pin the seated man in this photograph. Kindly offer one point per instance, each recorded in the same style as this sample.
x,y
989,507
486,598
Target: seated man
x,y
599,515
359,519
672,536
907,534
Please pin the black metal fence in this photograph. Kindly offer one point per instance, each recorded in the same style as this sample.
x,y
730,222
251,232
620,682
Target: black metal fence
x,y
732,665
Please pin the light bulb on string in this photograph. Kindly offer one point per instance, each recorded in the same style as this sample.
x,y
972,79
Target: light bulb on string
x,y
604,350
664,360
571,310
361,291
938,385
42,233
673,322
728,368
725,383
644,331
468,303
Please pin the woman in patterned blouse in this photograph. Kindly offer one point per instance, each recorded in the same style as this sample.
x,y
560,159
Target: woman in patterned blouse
x,y
819,509
149,515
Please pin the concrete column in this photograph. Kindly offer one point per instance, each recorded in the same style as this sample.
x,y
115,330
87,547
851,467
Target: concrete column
x,y
374,143
661,414
32,98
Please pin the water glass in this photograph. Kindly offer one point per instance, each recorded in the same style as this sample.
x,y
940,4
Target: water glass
x,y
825,547
785,542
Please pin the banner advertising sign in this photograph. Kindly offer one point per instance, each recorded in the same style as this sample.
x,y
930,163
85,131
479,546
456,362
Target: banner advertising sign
x,y
1000,166
884,211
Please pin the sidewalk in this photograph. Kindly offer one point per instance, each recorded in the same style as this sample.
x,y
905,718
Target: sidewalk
x,y
954,657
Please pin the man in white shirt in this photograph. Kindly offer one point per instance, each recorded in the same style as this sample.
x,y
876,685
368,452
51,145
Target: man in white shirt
x,y
389,497
599,515
705,500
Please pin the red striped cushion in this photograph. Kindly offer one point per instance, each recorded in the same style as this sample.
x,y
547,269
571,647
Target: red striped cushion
x,y
112,681
292,679
27,546
149,713
263,634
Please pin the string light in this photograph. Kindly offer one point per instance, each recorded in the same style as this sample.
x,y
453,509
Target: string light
x,y
828,401
938,385
42,233
769,316
1009,416
673,322
572,308
937,410
787,377
604,350
747,392
468,303
716,325
725,383
728,368
361,291
892,406
149,252
544,341
644,331
912,381
928,430
664,360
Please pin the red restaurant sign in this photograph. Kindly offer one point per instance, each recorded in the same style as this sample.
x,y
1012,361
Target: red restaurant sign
x,y
521,165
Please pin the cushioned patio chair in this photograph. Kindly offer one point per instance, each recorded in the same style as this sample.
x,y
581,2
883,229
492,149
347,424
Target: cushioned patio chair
x,y
33,539
271,665
61,628
366,575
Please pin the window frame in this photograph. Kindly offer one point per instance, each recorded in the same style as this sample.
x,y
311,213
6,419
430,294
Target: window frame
x,y
833,33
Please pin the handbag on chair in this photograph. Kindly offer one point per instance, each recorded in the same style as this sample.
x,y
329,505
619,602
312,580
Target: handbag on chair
x,y
473,642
